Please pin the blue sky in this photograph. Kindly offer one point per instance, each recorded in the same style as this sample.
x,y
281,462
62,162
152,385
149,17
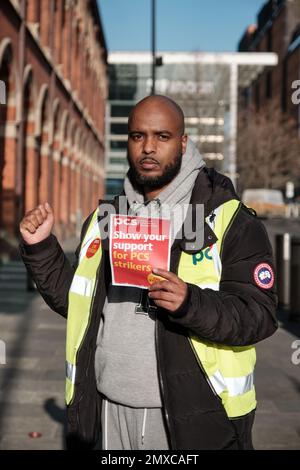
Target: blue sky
x,y
182,25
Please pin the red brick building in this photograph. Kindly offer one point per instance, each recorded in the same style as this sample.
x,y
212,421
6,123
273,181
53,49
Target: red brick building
x,y
269,103
277,30
53,60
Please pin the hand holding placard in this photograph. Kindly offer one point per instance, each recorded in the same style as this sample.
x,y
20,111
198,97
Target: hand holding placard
x,y
137,244
170,293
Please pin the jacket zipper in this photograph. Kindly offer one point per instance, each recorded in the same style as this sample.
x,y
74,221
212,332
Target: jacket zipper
x,y
193,349
228,228
162,385
190,341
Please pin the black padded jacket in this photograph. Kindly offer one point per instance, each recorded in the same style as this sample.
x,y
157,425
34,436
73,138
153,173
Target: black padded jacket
x,y
240,313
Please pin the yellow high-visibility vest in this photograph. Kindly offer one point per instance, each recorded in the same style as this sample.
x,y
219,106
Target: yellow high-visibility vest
x,y
81,295
229,370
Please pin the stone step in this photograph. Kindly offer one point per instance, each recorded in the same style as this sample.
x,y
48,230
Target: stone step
x,y
13,266
13,275
12,269
11,286
10,276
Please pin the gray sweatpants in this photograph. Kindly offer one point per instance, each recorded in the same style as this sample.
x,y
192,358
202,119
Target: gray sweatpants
x,y
125,428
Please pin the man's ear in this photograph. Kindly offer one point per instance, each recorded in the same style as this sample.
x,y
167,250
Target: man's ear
x,y
183,143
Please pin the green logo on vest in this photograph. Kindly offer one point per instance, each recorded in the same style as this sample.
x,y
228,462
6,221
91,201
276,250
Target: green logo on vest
x,y
198,257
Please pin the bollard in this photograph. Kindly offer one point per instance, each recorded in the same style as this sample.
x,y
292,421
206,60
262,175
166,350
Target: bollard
x,y
283,269
295,280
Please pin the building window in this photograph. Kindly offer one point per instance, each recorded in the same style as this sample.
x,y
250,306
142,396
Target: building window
x,y
118,145
120,110
119,128
114,186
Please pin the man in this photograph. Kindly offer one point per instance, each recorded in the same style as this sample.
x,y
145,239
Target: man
x,y
171,368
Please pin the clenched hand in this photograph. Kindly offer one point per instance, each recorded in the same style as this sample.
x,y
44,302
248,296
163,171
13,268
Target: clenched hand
x,y
37,224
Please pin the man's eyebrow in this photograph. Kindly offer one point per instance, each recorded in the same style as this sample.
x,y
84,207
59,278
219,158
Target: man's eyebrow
x,y
162,131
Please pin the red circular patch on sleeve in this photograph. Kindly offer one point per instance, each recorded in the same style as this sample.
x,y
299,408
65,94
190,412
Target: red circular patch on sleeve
x,y
264,276
93,247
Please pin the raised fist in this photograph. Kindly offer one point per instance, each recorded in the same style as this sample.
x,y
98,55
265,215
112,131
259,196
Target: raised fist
x,y
37,224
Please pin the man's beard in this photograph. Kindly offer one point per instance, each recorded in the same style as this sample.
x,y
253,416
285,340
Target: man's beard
x,y
155,182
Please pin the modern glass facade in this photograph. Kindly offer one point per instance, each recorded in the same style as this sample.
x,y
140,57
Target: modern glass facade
x,y
202,84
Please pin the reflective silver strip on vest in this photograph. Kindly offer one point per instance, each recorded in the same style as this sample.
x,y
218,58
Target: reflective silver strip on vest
x,y
212,285
70,371
82,286
233,385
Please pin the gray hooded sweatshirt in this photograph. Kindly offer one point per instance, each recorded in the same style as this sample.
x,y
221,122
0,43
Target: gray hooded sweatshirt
x,y
125,361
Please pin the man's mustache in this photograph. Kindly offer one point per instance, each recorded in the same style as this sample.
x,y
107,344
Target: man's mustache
x,y
148,159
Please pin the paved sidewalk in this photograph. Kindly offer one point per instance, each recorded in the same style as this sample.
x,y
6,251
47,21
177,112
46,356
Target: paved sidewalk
x,y
277,423
32,381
